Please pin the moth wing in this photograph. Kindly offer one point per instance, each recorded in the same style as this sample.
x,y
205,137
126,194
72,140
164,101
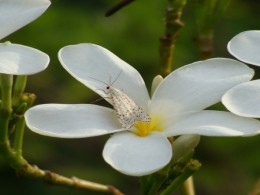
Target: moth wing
x,y
140,114
127,111
123,106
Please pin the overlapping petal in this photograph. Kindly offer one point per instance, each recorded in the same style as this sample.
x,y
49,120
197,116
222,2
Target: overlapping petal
x,y
214,123
21,60
246,46
71,121
198,85
96,67
137,156
15,14
244,99
177,104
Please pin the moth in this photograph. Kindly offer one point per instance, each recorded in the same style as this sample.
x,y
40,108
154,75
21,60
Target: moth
x,y
127,111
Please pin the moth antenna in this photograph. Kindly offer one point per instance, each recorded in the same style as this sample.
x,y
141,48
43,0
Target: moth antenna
x,y
109,79
101,97
97,100
117,77
101,90
98,80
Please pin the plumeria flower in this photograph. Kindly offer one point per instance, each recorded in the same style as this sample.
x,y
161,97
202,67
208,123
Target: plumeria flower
x,y
17,59
244,99
175,108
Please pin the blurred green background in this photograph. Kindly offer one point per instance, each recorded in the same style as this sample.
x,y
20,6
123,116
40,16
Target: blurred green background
x,y
231,166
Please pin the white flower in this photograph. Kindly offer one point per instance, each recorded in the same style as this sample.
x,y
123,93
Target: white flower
x,y
176,107
244,99
18,59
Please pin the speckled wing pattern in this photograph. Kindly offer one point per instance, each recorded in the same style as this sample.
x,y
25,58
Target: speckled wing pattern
x,y
128,112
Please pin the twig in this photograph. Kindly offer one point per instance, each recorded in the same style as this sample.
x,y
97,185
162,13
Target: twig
x,y
117,7
22,167
172,26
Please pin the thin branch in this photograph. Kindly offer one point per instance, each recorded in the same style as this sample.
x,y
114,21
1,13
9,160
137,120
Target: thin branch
x,y
22,167
117,7
173,24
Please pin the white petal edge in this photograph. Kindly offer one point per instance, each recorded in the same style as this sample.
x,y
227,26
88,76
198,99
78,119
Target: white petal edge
x,y
137,156
71,120
244,99
21,60
96,67
214,123
246,47
197,86
14,14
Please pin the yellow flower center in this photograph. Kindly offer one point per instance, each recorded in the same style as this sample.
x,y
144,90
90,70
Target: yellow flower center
x,y
144,128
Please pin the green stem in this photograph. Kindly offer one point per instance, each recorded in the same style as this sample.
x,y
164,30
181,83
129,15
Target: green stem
x,y
14,156
157,182
191,167
6,106
6,89
145,184
19,132
151,184
187,187
18,90
4,123
173,24
24,168
117,7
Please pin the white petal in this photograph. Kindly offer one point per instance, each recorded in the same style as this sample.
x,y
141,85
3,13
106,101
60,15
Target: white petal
x,y
183,145
14,14
137,156
246,47
71,121
197,86
96,67
215,123
156,81
21,60
244,99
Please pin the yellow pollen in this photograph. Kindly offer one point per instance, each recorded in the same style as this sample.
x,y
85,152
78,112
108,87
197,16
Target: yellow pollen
x,y
144,128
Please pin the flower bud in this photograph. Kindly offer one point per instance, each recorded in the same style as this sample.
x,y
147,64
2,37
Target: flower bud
x,y
156,81
183,145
